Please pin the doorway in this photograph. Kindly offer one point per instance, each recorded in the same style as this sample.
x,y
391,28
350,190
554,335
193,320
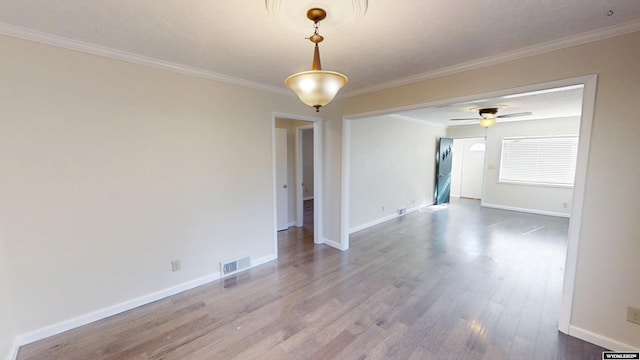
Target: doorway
x,y
588,101
291,123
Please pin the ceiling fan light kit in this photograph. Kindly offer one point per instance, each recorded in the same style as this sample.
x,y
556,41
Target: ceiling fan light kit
x,y
316,87
488,115
487,122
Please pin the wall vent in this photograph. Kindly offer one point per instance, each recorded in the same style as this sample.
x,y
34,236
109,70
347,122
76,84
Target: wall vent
x,y
234,266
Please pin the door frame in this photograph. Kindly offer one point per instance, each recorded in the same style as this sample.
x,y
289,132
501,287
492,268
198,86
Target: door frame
x,y
299,174
575,221
318,203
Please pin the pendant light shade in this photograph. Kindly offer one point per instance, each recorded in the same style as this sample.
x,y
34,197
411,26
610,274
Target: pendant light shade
x,y
316,87
487,122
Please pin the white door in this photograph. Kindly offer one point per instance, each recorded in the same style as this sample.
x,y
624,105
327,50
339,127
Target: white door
x,y
472,168
282,191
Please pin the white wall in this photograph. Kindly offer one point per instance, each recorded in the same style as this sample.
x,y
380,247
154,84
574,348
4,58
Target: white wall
x,y
392,167
307,163
540,199
606,274
112,170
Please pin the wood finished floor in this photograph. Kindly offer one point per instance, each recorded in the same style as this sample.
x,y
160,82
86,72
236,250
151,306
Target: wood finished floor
x,y
457,282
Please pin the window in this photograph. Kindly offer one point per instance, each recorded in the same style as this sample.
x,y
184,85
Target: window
x,y
549,160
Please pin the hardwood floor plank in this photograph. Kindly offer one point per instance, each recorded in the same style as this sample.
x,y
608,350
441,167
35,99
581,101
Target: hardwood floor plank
x,y
365,340
331,349
452,282
386,349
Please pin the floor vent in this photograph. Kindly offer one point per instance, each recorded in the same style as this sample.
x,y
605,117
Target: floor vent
x,y
234,266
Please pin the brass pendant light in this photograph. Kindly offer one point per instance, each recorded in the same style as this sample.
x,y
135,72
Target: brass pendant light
x,y
316,87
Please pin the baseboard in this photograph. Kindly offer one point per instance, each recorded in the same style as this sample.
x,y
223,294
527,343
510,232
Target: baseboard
x,y
372,223
122,307
292,224
334,244
307,198
383,219
531,211
262,260
13,351
599,340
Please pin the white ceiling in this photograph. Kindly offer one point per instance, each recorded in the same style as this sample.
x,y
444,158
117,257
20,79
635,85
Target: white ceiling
x,y
542,104
260,42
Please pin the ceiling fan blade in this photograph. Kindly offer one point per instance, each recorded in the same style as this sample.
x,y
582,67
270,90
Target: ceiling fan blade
x,y
464,119
527,113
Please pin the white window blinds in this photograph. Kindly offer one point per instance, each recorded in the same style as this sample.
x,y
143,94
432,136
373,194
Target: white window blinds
x,y
539,160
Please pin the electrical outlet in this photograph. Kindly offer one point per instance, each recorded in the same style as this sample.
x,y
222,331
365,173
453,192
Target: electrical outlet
x,y
175,265
382,207
633,315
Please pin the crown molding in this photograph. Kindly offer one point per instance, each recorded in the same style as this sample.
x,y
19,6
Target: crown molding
x,y
71,44
93,49
419,121
580,39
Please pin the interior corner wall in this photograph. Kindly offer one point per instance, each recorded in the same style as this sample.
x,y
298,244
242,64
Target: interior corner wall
x,y
606,274
532,198
112,170
392,167
331,187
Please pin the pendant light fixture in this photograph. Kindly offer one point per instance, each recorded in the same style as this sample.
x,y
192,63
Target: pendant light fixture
x,y
316,87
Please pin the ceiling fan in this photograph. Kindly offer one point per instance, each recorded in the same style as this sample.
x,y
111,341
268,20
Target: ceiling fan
x,y
488,116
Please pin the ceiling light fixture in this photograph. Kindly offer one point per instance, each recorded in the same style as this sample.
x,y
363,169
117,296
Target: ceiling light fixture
x,y
488,117
316,87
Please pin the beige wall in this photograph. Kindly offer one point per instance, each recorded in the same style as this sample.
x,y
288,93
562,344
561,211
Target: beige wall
x,y
112,170
606,279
